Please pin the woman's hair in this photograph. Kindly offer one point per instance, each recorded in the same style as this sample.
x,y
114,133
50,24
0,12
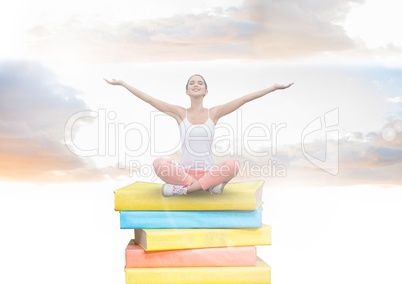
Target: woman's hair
x,y
205,82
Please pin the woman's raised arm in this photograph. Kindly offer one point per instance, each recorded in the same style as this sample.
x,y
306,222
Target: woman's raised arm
x,y
172,110
224,109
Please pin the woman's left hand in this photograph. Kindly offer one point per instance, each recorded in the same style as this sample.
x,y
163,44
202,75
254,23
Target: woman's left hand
x,y
281,86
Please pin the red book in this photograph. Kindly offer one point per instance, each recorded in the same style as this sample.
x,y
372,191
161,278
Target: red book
x,y
220,256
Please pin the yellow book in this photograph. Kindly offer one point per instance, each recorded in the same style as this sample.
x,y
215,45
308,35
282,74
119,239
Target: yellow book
x,y
259,274
148,196
171,239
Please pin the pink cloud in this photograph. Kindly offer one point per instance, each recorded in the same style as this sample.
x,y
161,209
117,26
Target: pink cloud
x,y
257,30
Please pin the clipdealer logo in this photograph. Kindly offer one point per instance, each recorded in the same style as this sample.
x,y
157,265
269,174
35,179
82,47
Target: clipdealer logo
x,y
113,140
326,158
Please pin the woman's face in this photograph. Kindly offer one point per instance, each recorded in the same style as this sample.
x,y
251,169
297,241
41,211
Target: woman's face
x,y
196,86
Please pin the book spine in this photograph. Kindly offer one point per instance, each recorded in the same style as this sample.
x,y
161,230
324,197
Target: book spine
x,y
146,196
259,274
190,219
169,239
211,257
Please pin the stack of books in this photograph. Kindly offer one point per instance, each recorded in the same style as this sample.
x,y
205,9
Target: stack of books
x,y
195,238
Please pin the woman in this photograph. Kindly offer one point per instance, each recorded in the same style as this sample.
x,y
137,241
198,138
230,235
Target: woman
x,y
196,170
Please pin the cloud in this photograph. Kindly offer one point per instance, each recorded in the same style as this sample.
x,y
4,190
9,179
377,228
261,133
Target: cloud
x,y
256,30
396,100
34,107
375,158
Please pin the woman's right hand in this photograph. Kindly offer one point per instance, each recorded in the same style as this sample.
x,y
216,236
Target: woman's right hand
x,y
114,82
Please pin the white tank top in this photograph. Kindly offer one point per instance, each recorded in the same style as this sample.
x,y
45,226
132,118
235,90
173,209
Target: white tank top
x,y
196,146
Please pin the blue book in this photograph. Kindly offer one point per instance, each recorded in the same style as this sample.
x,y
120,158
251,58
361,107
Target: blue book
x,y
190,219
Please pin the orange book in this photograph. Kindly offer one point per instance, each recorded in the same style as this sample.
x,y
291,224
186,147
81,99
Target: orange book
x,y
212,257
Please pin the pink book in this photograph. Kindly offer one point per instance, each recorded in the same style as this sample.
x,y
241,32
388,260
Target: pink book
x,y
221,256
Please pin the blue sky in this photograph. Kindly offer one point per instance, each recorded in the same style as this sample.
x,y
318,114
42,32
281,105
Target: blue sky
x,y
55,59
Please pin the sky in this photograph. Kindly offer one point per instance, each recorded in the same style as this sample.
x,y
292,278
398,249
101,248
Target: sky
x,y
339,124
